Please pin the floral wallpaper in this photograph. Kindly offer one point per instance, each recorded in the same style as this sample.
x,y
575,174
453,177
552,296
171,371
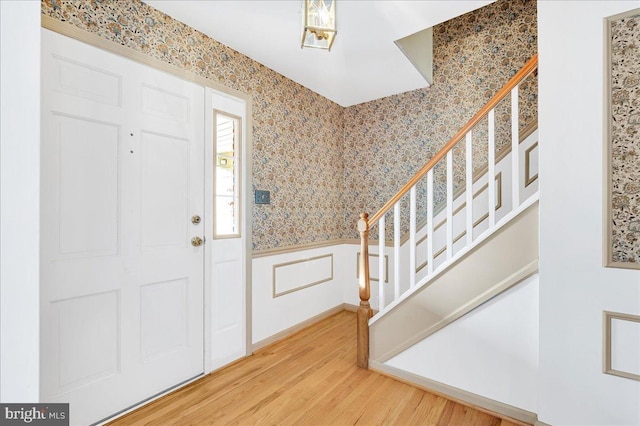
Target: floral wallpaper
x,y
297,134
389,139
625,139
325,164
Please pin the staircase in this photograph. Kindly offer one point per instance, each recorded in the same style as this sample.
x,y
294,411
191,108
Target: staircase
x,y
463,230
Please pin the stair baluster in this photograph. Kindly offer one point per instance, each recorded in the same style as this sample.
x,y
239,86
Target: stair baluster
x,y
382,263
469,186
515,144
447,196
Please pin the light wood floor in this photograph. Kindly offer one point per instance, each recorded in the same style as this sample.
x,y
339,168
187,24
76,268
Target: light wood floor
x,y
310,378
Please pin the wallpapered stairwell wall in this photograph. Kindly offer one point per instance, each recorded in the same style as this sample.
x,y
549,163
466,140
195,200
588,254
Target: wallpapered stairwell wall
x,y
297,134
387,140
325,164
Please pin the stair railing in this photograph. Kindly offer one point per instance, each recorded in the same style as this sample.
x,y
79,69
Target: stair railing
x,y
393,206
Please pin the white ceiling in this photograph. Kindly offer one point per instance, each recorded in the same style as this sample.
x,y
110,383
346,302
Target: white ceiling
x,y
364,62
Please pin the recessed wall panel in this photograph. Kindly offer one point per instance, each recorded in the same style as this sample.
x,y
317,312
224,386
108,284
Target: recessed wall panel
x,y
621,345
87,336
625,346
164,191
531,165
89,186
621,125
163,317
292,276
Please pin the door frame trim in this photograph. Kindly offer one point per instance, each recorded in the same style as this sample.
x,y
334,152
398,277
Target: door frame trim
x,y
94,40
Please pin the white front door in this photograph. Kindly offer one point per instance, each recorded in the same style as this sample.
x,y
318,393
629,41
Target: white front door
x,y
122,177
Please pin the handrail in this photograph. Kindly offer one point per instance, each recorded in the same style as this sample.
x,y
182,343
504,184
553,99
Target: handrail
x,y
364,311
493,102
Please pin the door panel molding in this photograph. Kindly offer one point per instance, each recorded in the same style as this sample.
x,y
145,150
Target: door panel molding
x,y
120,321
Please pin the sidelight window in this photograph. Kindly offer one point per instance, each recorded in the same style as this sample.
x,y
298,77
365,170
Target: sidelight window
x,y
227,176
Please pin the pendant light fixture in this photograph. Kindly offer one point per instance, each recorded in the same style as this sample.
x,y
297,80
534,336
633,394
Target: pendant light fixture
x,y
319,20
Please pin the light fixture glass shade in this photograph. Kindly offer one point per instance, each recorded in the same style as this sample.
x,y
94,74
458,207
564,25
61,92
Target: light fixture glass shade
x,y
319,18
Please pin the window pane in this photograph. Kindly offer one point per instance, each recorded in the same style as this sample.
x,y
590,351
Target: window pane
x,y
227,199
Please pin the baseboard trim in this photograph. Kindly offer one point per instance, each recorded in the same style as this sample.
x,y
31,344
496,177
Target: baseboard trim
x,y
302,325
469,399
349,307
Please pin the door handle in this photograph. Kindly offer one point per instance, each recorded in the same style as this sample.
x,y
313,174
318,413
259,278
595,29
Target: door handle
x,y
196,241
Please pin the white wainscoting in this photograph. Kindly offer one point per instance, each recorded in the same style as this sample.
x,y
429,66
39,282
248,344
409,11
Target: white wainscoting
x,y
290,288
302,273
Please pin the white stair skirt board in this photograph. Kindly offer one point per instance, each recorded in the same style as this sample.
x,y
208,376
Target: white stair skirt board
x,y
458,395
511,252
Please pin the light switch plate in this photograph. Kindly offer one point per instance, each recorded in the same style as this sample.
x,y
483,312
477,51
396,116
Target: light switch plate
x,y
262,197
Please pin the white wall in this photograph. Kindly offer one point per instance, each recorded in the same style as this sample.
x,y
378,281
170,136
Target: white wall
x,y
19,200
272,315
574,286
492,351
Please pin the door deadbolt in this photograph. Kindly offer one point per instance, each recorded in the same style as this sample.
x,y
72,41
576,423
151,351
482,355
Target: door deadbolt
x,y
196,241
195,219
